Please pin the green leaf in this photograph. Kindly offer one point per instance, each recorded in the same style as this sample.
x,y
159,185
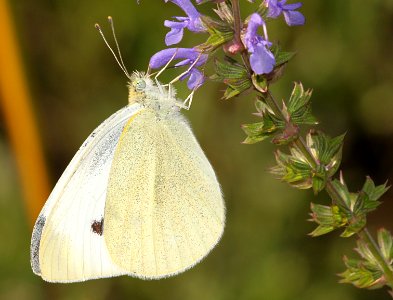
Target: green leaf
x,y
234,75
343,197
361,274
325,147
373,194
328,218
355,206
328,151
253,129
354,226
283,57
261,81
224,12
347,202
293,170
318,184
230,69
367,271
257,132
299,106
255,139
267,127
219,33
289,134
385,242
236,88
280,56
298,97
262,10
367,199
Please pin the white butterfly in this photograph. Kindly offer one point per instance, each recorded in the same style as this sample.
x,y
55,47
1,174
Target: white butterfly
x,y
139,198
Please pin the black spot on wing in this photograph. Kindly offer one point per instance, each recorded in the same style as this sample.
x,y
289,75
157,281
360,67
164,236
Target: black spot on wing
x,y
98,226
35,244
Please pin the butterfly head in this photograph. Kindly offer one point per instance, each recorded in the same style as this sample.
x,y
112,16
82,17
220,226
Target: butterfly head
x,y
139,87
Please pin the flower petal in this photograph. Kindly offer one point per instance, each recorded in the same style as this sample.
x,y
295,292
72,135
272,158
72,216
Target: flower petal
x,y
164,56
187,7
262,60
183,63
254,22
174,24
196,79
174,36
294,18
274,9
292,6
251,37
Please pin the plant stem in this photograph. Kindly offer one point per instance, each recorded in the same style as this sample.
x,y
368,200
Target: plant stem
x,y
237,27
301,146
364,234
299,143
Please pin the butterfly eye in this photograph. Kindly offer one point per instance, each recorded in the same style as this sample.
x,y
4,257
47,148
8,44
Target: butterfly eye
x,y
140,85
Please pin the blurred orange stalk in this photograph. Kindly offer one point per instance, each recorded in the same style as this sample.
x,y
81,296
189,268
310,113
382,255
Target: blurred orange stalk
x,y
19,118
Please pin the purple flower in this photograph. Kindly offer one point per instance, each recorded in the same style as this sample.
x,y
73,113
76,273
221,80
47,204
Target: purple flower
x,y
214,1
189,56
261,59
192,22
292,17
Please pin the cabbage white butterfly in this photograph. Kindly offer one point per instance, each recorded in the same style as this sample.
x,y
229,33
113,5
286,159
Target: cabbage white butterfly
x,y
139,198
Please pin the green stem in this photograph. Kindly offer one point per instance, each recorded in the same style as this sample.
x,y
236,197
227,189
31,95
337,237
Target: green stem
x,y
271,101
301,146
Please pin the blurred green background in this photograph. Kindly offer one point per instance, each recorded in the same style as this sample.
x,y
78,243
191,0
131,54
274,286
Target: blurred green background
x,y
344,54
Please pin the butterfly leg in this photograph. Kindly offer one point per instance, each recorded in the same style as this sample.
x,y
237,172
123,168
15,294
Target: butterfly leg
x,y
187,71
165,67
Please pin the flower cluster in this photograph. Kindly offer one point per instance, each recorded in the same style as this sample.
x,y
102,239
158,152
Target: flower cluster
x,y
262,59
191,57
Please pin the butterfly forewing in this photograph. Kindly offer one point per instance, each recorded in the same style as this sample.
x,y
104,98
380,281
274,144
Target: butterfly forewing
x,y
164,210
67,243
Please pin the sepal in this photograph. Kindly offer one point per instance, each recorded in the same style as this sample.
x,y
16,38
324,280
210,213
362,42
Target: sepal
x,y
219,34
328,151
264,129
299,106
293,169
281,56
325,150
328,218
234,75
356,206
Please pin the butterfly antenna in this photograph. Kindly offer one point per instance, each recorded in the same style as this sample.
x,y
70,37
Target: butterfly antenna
x,y
110,20
98,27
